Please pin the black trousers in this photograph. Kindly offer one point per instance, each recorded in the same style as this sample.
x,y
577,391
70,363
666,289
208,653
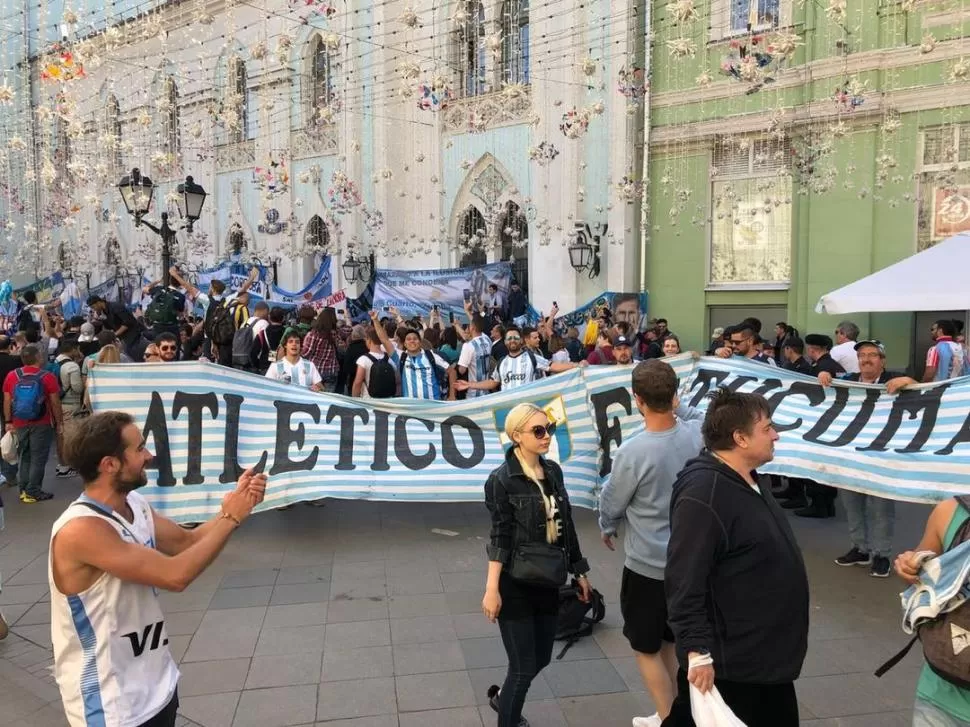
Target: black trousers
x,y
165,718
757,705
528,642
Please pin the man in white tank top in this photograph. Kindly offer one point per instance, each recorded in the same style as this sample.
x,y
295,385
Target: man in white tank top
x,y
109,553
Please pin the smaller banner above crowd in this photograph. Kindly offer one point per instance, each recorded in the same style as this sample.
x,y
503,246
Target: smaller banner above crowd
x,y
624,307
206,423
316,293
415,292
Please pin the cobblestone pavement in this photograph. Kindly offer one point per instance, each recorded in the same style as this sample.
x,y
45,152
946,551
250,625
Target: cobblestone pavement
x,y
358,615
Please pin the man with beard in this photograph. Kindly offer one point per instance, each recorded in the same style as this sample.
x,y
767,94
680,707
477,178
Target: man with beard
x,y
109,554
521,366
623,350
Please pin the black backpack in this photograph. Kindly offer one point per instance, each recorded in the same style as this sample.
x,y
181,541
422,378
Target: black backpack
x,y
222,326
576,618
937,636
382,382
163,308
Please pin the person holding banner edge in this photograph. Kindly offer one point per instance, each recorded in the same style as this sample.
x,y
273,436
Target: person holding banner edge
x,y
532,545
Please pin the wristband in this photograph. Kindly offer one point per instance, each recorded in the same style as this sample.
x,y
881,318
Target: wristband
x,y
230,516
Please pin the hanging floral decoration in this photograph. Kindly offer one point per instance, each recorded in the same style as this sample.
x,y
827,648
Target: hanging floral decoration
x,y
574,123
683,11
6,94
588,66
343,193
477,123
162,161
682,48
632,83
319,9
373,220
61,66
409,18
749,62
959,71
259,50
272,179
630,189
783,44
543,154
434,96
850,95
283,46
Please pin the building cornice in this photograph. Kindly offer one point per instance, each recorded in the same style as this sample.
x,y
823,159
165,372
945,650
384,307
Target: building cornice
x,y
833,67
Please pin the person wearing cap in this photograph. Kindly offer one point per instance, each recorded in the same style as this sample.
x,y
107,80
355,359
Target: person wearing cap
x,y
871,519
623,350
818,349
793,356
717,341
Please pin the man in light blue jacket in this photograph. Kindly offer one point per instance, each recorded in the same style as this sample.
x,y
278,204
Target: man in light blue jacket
x,y
638,491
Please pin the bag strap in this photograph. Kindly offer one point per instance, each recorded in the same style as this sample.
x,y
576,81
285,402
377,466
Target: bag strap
x,y
963,533
897,658
109,514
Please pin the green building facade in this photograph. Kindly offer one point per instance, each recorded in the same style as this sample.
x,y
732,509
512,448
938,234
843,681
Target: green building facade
x,y
796,147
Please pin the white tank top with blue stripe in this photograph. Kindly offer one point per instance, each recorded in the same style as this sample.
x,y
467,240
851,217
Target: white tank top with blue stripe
x,y
111,656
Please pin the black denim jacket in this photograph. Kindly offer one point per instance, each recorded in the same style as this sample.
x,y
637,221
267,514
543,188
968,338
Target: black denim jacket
x,y
519,515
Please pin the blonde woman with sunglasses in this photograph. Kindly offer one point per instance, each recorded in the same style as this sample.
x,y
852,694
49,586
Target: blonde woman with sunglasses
x,y
533,546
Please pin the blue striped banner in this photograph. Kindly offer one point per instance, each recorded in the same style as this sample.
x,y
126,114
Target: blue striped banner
x,y
204,422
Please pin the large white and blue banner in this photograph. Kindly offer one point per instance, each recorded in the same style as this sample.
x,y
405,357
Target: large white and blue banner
x,y
206,424
414,292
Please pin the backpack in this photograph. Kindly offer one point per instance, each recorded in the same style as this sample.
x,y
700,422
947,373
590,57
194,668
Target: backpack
x,y
54,367
223,324
28,396
442,385
573,623
242,345
382,382
939,635
162,309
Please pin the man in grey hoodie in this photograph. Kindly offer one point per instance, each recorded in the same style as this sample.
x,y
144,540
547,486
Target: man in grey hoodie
x,y
645,468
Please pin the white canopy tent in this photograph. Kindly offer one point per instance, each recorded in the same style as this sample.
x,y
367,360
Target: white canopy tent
x,y
932,280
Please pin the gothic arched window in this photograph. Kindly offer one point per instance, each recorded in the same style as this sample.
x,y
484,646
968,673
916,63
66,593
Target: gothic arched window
x,y
515,41
319,79
170,118
111,127
236,90
316,238
472,233
514,234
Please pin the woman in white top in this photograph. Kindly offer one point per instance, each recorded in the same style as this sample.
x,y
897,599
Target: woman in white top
x,y
293,368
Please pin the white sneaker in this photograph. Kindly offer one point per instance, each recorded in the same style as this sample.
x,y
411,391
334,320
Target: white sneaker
x,y
652,721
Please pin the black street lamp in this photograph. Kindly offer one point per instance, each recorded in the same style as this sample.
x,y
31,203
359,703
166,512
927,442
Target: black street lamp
x,y
136,193
584,251
350,267
361,269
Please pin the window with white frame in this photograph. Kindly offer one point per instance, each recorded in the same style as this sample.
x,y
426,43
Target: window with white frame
x,y
170,119
470,50
319,83
944,184
515,41
751,219
111,127
737,17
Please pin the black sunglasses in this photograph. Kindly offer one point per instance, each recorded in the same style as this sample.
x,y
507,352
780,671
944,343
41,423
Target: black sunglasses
x,y
541,432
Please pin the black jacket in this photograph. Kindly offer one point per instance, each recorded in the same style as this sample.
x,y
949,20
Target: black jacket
x,y
799,365
735,579
519,516
827,363
517,304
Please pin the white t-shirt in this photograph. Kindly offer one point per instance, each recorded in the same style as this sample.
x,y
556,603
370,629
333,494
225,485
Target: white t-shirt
x,y
845,355
302,373
514,372
365,363
561,356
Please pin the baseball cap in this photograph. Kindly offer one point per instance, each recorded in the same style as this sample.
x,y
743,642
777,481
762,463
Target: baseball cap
x,y
717,333
621,341
871,342
87,333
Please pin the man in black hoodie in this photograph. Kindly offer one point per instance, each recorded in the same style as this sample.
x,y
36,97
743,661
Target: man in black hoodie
x,y
737,590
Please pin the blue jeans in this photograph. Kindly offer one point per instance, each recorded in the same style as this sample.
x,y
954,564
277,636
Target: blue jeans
x,y
929,715
34,448
871,522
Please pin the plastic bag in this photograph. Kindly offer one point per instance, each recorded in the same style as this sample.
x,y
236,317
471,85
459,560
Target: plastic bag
x,y
8,448
709,710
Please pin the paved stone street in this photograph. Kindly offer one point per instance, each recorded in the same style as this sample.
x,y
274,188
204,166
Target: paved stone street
x,y
357,615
